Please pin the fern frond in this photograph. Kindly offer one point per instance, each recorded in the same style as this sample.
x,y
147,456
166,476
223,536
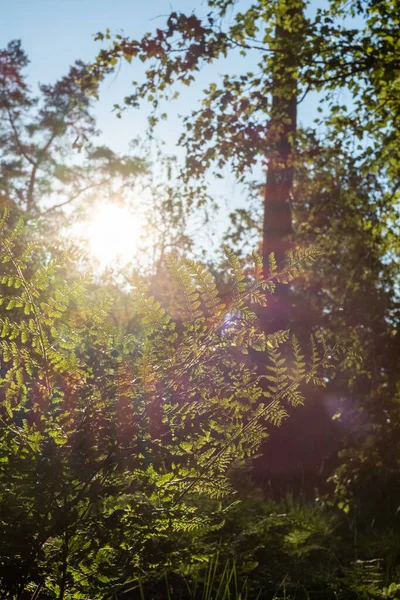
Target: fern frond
x,y
237,273
187,298
272,266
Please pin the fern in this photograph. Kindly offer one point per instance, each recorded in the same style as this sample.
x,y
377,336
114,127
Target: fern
x,y
104,433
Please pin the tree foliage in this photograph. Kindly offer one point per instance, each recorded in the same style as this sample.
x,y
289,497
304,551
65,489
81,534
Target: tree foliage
x,y
108,438
119,437
345,46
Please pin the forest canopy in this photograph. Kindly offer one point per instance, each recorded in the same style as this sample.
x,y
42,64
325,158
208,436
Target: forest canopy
x,y
198,398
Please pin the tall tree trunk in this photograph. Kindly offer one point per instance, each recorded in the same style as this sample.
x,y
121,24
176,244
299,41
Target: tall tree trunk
x,y
280,173
277,225
295,451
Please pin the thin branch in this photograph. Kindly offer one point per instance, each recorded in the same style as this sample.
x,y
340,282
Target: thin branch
x,y
74,197
19,143
36,165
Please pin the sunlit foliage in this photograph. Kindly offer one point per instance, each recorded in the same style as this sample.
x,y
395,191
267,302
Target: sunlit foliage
x,y
108,438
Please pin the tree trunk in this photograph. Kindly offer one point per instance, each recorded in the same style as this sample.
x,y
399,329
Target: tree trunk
x,y
277,225
295,451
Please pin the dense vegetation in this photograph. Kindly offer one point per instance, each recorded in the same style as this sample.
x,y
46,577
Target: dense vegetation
x,y
219,425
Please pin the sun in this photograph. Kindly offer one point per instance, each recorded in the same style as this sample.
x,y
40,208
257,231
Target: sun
x,y
112,235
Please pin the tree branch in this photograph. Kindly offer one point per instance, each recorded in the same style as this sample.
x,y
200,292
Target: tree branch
x,y
74,197
17,139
